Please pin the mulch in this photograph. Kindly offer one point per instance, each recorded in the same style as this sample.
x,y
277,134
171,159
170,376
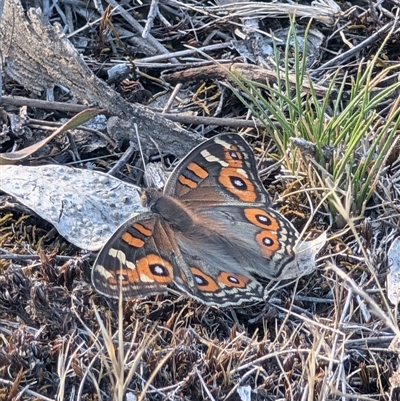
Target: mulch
x,y
141,62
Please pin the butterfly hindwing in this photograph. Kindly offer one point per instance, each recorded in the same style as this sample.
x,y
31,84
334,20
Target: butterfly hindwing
x,y
261,240
221,287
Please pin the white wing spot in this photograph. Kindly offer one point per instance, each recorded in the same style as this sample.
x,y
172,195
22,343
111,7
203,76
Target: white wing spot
x,y
213,159
223,143
115,253
146,279
238,183
242,172
103,272
121,257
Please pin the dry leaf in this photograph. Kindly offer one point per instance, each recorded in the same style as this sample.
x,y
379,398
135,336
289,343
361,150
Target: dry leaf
x,y
85,206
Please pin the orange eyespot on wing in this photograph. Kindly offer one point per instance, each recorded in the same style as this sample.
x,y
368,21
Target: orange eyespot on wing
x,y
154,268
148,275
261,218
224,288
123,277
204,281
268,242
237,184
233,280
233,157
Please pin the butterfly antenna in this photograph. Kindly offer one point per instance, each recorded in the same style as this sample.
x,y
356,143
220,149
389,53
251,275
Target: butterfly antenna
x,y
140,147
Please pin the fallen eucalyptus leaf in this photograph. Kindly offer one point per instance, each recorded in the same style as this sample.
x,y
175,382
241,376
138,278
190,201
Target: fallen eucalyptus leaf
x,y
85,206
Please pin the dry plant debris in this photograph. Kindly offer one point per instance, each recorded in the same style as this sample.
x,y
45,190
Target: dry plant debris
x,y
165,66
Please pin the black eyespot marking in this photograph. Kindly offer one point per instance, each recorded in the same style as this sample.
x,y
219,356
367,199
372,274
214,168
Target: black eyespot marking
x,y
234,155
238,183
233,279
268,241
263,219
201,281
159,270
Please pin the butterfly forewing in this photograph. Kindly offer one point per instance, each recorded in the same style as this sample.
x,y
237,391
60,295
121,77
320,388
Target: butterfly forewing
x,y
132,260
219,171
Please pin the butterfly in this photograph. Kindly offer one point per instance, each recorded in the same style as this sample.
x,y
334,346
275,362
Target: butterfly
x,y
207,234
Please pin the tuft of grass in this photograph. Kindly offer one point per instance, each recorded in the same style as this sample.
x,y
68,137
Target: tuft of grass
x,y
347,120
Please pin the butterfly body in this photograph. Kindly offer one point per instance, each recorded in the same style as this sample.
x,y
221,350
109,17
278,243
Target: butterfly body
x,y
207,233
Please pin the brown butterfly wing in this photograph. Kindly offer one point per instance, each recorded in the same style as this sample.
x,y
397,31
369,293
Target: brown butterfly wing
x,y
220,287
221,171
261,240
134,260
